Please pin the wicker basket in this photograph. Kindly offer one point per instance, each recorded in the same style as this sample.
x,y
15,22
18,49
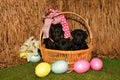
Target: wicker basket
x,y
71,57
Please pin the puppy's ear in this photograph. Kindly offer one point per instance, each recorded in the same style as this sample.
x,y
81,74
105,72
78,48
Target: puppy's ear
x,y
51,29
85,34
50,33
62,32
73,33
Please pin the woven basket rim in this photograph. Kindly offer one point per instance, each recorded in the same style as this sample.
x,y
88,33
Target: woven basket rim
x,y
87,27
90,47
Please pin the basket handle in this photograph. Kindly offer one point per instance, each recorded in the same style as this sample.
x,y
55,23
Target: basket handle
x,y
85,22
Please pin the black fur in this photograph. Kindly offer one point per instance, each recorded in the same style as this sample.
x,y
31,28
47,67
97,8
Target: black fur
x,y
78,42
55,35
64,44
56,32
56,39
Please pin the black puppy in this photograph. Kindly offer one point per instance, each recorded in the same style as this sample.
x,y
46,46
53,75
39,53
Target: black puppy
x,y
56,32
49,43
55,35
78,42
64,44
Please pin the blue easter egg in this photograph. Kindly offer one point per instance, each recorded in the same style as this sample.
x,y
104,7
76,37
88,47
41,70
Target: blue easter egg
x,y
60,66
35,58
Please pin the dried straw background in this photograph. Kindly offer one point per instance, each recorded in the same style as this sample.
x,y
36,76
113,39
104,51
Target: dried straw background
x,y
20,19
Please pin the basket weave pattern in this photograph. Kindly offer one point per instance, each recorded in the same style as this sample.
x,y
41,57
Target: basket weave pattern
x,y
50,56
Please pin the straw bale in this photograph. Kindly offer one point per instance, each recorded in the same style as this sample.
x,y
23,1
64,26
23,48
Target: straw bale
x,y
20,19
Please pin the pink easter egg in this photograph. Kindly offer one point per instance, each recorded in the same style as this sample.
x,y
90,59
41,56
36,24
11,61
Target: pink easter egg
x,y
81,66
96,64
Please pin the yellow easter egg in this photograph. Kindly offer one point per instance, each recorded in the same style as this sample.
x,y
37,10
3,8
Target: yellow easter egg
x,y
42,69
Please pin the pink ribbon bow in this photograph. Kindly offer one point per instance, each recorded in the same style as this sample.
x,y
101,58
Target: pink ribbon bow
x,y
52,19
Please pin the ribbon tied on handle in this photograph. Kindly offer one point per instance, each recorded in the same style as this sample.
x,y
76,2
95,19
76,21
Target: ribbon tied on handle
x,y
53,18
